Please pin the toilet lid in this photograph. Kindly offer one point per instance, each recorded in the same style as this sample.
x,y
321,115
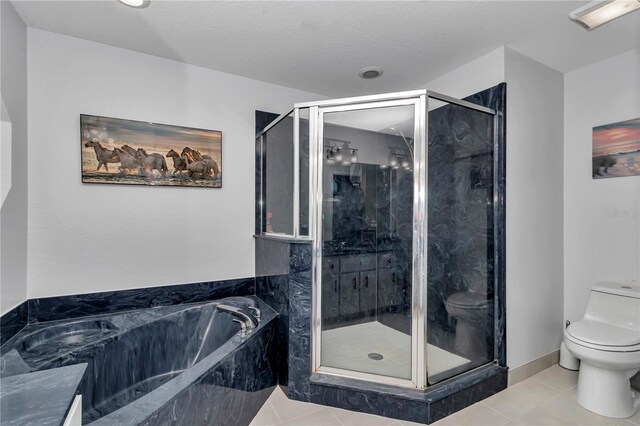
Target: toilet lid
x,y
468,300
603,334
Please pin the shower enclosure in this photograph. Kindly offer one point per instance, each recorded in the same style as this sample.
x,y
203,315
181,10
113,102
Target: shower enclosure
x,y
401,197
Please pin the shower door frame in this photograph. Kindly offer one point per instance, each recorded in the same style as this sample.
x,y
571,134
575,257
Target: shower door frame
x,y
417,99
420,99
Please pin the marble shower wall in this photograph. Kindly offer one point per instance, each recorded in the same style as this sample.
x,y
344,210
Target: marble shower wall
x,y
461,213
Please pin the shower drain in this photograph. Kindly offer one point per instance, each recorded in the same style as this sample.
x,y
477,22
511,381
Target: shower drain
x,y
375,356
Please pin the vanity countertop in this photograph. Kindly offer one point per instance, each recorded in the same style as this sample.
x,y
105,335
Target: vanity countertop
x,y
39,398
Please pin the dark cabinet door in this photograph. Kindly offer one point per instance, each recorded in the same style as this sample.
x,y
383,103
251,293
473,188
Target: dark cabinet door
x,y
368,283
330,297
331,265
349,293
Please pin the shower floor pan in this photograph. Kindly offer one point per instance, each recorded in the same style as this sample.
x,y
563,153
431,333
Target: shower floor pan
x,y
375,338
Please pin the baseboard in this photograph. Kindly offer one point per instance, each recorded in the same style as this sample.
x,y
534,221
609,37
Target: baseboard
x,y
532,368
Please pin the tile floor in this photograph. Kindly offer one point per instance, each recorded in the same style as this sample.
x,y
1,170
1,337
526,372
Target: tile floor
x,y
375,337
548,398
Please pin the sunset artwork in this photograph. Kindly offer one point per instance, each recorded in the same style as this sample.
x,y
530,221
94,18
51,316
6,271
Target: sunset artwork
x,y
616,149
131,152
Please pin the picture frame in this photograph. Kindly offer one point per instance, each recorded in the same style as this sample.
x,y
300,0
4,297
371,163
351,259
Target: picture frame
x,y
616,149
130,152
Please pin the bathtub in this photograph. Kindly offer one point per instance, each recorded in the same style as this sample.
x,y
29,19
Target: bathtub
x,y
183,364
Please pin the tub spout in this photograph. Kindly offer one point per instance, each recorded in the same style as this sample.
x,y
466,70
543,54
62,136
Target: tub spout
x,y
247,319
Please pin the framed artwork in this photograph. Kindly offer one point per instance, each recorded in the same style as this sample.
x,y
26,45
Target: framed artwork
x,y
128,152
616,149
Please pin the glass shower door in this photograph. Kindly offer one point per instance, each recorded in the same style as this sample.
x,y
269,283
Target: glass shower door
x,y
367,176
460,248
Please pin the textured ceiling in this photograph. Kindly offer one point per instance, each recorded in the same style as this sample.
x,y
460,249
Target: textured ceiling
x,y
321,46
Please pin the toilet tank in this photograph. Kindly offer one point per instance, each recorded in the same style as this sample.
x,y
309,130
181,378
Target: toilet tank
x,y
615,303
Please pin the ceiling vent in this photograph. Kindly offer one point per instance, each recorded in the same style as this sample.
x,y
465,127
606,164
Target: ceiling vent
x,y
369,73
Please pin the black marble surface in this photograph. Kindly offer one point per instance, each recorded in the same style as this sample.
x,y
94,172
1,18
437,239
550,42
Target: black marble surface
x,y
80,305
300,306
42,398
230,393
272,286
283,280
155,352
227,387
496,99
369,397
404,403
470,389
13,321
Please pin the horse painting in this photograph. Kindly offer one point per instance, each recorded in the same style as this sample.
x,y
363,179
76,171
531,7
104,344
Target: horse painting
x,y
141,149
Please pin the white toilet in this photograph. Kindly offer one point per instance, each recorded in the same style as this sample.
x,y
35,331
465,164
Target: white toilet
x,y
607,342
470,311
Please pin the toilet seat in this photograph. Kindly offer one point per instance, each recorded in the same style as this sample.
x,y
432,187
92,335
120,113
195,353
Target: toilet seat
x,y
467,300
604,337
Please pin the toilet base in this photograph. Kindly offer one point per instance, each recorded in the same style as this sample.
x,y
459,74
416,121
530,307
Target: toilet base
x,y
607,392
470,340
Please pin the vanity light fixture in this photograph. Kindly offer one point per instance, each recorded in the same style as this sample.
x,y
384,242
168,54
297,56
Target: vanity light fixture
x,y
138,4
599,12
338,151
393,161
398,158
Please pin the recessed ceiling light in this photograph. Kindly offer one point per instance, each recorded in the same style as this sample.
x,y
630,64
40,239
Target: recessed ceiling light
x,y
370,72
139,4
600,12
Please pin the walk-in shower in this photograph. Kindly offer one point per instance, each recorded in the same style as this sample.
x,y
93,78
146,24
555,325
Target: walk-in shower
x,y
401,197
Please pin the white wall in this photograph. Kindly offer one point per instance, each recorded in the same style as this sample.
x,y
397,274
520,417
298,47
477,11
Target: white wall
x,y
534,209
473,77
88,237
602,223
13,215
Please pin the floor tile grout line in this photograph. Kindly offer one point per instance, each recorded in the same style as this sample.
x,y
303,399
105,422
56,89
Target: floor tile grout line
x,y
319,408
550,386
334,415
493,409
275,411
560,415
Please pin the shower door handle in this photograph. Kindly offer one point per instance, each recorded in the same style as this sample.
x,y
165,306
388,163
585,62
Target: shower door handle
x,y
355,283
366,281
335,286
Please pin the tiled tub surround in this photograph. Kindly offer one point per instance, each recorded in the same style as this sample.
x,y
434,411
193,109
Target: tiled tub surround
x,y
182,364
80,305
13,321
